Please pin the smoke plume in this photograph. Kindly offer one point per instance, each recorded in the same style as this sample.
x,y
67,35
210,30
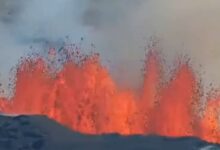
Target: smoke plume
x,y
119,29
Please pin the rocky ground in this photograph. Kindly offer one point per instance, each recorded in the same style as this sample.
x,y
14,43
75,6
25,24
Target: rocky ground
x,y
41,133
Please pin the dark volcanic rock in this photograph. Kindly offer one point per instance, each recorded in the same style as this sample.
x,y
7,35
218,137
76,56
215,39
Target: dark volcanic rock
x,y
41,133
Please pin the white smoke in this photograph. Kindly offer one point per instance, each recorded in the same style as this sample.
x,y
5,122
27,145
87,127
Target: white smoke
x,y
119,29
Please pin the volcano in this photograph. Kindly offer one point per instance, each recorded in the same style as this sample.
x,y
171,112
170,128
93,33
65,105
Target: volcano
x,y
41,133
79,93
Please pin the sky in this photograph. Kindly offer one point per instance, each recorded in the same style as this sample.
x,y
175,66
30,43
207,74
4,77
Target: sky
x,y
119,29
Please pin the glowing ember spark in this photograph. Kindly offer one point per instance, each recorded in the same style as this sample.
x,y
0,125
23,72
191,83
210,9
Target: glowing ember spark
x,y
83,96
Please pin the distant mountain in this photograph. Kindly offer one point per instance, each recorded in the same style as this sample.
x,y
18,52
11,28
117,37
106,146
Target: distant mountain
x,y
41,133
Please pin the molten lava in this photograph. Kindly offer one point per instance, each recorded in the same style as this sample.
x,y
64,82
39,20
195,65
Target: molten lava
x,y
82,95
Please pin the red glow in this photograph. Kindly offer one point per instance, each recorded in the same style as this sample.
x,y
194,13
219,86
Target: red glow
x,y
84,97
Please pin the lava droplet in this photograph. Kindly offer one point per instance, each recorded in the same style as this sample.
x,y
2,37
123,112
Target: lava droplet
x,y
82,96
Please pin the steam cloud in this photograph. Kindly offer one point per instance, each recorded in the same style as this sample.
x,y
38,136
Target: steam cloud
x,y
119,29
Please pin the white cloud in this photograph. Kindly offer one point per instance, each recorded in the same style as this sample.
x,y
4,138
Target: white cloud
x,y
119,30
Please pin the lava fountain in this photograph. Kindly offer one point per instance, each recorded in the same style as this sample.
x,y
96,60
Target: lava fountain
x,y
81,95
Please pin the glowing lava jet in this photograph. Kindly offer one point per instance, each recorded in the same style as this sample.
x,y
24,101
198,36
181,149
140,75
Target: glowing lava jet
x,y
82,95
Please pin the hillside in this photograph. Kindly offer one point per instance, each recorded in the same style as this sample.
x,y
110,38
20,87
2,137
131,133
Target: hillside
x,y
41,133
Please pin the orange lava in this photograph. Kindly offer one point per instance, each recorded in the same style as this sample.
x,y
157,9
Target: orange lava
x,y
83,96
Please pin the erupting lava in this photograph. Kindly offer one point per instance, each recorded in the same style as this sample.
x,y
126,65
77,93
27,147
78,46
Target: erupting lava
x,y
82,95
